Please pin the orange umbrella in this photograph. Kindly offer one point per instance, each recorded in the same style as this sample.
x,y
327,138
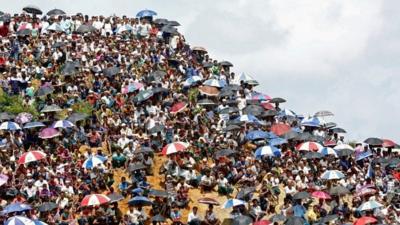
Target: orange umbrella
x,y
280,128
209,90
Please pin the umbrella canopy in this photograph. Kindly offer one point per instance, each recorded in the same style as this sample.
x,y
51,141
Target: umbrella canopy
x,y
143,96
38,222
140,201
277,100
31,156
199,49
328,218
328,151
280,128
262,222
232,203
158,218
365,191
84,28
169,29
174,148
124,28
257,134
24,32
111,71
209,90
224,152
6,116
158,193
277,218
253,110
115,197
63,124
373,141
248,119
47,206
277,141
311,122
343,147
32,9
75,117
309,146
365,220
208,201
3,179
51,108
157,128
23,117
338,190
146,13
55,12
69,69
19,220
160,21
143,150
323,113
229,110
369,205
9,126
173,23
320,195
344,152
388,143
338,130
206,102
313,155
268,151
48,133
301,195
94,199
332,175
93,161
178,107
16,207
191,81
225,63
290,135
214,83
260,97
136,166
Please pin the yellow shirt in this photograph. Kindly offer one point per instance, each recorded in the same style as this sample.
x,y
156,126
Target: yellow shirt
x,y
311,215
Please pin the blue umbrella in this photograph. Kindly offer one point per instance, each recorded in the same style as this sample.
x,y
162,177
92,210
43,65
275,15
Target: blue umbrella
x,y
38,222
191,80
311,122
287,113
248,119
19,220
93,161
267,150
63,124
9,126
277,141
137,191
140,200
257,134
363,155
33,125
146,13
16,207
232,203
215,83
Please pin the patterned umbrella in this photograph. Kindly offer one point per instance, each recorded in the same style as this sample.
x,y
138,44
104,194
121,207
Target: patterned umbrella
x,y
93,161
94,199
328,151
232,203
23,117
48,133
174,147
31,156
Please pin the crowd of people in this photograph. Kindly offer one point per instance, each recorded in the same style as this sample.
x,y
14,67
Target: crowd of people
x,y
106,94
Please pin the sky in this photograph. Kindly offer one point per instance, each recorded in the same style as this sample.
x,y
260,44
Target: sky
x,y
336,55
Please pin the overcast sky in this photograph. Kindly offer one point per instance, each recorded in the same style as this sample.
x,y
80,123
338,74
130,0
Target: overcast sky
x,y
337,55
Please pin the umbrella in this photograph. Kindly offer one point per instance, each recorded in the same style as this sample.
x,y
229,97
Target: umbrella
x,y
55,27
143,150
365,191
224,152
38,222
280,128
290,135
136,86
158,193
140,201
248,119
208,201
329,143
48,133
343,147
260,97
32,9
257,134
169,29
267,150
199,49
16,207
206,101
62,124
320,195
94,199
191,81
9,126
85,29
369,205
225,63
160,21
111,71
51,108
363,155
69,69
232,87
268,106
294,221
229,110
277,100
174,147
173,23
156,129
143,96
226,93
136,166
301,195
323,113
277,218
178,107
388,143
93,161
23,117
309,146
31,156
156,75
214,83
115,197
365,220
24,32
242,220
6,116
209,90
19,220
262,222
146,13
277,141
158,218
159,90
328,151
247,79
338,130
232,203
338,190
313,155
254,110
332,175
311,122
373,141
328,218
124,28
344,152
47,206
45,90
75,117
245,192
3,179
232,127
55,12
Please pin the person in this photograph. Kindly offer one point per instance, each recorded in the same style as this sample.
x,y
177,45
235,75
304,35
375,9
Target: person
x,y
193,217
223,185
210,218
176,216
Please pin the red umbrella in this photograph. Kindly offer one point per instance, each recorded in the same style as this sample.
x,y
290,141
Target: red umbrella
x,y
320,195
178,107
396,175
267,106
209,90
262,222
280,128
208,201
330,143
388,143
309,146
31,157
365,220
174,147
94,199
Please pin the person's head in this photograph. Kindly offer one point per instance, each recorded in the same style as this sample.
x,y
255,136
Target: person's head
x,y
195,209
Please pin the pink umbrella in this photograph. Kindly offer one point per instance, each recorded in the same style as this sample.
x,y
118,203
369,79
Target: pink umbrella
x,y
174,147
178,107
31,156
320,195
48,133
3,179
94,199
23,118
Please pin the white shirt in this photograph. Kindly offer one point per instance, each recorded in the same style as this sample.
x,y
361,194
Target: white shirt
x,y
192,216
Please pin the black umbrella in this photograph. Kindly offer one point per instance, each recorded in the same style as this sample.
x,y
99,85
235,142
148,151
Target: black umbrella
x,y
12,192
173,23
24,32
6,116
111,71
290,135
313,155
269,113
232,87
75,117
229,110
5,18
330,125
55,12
338,190
32,9
58,45
373,141
136,166
144,150
206,101
85,29
328,218
294,221
232,127
45,90
69,69
207,64
169,29
156,75
47,206
301,195
115,197
303,136
225,63
255,110
224,152
226,93
344,152
277,100
242,220
140,201
160,21
277,218
245,192
156,129
338,130
157,218
158,193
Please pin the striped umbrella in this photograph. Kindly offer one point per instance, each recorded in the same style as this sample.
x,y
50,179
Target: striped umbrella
x,y
309,146
232,203
19,220
63,124
47,133
328,151
178,107
31,156
93,161
320,195
174,147
371,204
268,150
332,175
9,126
94,199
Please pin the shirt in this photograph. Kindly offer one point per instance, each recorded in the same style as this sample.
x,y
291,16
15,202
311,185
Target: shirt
x,y
192,216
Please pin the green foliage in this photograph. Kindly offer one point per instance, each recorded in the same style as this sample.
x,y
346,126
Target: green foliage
x,y
83,107
14,104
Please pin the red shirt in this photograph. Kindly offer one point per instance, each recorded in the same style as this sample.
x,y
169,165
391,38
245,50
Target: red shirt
x,y
4,31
